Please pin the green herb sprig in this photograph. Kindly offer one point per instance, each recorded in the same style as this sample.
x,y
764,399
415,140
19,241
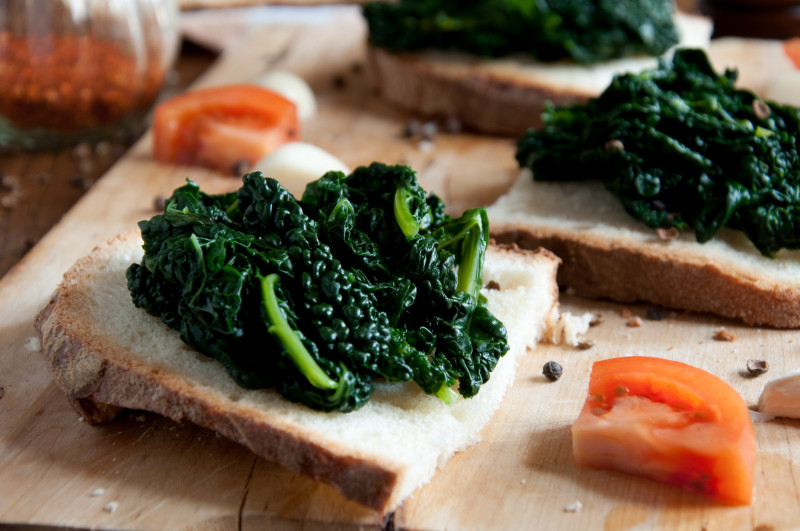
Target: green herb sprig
x,y
364,278
681,146
584,31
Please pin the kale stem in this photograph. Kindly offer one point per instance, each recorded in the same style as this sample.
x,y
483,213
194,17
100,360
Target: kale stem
x,y
233,208
290,339
446,394
405,218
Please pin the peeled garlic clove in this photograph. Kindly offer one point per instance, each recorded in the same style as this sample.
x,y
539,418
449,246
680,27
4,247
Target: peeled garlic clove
x,y
781,396
296,164
293,88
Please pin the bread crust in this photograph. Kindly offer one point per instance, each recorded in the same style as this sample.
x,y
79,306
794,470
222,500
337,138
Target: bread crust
x,y
482,100
100,379
598,267
100,382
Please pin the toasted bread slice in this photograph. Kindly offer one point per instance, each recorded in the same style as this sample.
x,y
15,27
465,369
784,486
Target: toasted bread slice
x,y
607,253
106,354
501,96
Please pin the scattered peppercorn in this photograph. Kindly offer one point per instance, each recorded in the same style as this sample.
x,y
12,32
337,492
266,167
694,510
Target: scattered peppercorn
x,y
552,371
240,167
159,203
79,181
654,314
453,126
339,82
411,128
429,130
757,367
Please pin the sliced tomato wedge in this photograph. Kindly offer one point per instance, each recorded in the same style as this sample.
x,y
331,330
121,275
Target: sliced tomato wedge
x,y
223,128
668,421
791,47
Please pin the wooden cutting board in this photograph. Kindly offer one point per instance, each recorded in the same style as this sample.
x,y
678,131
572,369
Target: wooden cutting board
x,y
145,472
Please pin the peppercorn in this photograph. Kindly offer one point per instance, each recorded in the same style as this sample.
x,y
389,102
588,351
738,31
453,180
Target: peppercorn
x,y
552,371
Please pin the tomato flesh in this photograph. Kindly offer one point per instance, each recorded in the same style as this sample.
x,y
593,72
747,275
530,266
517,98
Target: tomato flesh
x,y
223,128
670,422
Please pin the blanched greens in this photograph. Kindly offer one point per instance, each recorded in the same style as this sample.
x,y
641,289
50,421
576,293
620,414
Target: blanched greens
x,y
584,31
681,147
365,277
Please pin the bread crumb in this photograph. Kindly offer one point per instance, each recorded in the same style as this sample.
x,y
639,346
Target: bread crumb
x,y
573,507
667,235
524,481
32,344
585,344
97,492
757,367
569,328
110,507
724,335
597,319
625,313
634,322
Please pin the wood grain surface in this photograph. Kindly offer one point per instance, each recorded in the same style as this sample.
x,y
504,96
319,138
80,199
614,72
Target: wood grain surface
x,y
145,472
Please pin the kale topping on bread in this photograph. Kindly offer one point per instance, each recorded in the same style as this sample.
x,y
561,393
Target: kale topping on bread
x,y
363,278
583,31
682,148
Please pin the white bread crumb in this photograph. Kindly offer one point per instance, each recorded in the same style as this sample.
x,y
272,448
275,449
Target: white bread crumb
x,y
569,329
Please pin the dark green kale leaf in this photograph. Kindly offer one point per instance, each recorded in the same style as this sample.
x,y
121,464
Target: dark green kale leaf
x,y
365,278
584,31
681,147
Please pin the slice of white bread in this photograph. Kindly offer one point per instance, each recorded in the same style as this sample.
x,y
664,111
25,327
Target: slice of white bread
x,y
501,96
106,354
607,253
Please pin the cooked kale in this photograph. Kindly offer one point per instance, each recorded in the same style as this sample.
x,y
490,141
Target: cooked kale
x,y
364,278
584,31
681,147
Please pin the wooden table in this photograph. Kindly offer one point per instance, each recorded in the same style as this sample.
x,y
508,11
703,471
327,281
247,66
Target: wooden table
x,y
38,187
167,475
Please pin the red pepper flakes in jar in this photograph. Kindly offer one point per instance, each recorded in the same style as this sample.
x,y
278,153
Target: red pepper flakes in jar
x,y
78,69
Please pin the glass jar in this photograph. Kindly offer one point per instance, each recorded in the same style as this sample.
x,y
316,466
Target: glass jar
x,y
81,70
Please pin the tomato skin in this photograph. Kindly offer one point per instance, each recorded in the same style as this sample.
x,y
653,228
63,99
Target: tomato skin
x,y
222,127
668,421
791,47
